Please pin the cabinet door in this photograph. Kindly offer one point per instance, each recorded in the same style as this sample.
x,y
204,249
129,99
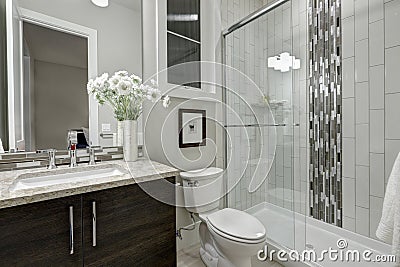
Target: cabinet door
x,y
131,229
157,57
39,234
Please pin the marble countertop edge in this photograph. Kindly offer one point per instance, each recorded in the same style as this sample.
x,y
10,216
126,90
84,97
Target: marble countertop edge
x,y
136,172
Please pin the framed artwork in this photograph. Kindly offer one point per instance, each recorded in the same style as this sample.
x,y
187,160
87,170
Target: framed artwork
x,y
192,128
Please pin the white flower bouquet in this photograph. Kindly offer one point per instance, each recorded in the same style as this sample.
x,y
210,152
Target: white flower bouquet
x,y
125,94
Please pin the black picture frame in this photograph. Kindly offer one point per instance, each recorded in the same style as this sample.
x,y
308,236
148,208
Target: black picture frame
x,y
182,125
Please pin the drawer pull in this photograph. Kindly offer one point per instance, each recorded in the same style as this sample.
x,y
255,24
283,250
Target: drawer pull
x,y
94,223
71,230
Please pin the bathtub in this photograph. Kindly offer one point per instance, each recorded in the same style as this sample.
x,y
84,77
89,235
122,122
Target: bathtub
x,y
287,230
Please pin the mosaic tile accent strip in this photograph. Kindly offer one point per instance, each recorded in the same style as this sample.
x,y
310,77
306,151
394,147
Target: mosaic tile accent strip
x,y
325,48
26,160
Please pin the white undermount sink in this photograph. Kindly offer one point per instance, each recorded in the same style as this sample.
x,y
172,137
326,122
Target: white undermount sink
x,y
65,176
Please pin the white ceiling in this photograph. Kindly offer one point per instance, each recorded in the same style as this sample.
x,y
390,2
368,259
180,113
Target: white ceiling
x,y
131,4
55,47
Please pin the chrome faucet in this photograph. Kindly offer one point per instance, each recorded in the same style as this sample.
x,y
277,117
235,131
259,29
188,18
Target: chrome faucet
x,y
92,156
52,157
72,156
72,139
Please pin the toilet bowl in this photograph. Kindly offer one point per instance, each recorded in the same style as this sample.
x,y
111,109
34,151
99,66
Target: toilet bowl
x,y
228,237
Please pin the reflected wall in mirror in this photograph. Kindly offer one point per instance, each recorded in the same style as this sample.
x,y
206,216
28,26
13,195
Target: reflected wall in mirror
x,y
55,77
3,75
56,46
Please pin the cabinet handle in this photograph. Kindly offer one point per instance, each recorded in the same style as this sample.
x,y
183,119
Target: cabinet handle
x,y
71,230
94,223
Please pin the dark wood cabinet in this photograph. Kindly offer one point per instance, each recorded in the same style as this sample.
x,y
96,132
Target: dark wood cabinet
x,y
39,234
129,228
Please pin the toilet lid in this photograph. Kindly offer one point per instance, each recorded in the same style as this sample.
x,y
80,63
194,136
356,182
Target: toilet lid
x,y
238,224
201,173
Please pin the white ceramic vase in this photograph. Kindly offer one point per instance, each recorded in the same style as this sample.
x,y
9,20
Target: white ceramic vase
x,y
130,140
120,133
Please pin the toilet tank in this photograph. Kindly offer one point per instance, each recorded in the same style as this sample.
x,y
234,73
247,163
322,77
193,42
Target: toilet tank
x,y
202,189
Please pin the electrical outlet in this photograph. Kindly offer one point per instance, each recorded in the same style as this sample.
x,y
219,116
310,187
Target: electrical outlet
x,y
106,127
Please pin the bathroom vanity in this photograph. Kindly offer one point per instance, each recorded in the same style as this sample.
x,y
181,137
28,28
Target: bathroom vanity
x,y
94,223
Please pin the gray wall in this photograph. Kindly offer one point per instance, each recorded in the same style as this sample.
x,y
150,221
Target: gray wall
x,y
161,135
161,128
119,36
3,75
161,143
60,101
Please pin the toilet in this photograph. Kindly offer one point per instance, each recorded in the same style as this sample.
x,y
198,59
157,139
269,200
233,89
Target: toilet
x,y
228,237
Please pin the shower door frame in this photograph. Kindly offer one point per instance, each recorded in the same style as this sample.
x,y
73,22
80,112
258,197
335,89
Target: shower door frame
x,y
241,23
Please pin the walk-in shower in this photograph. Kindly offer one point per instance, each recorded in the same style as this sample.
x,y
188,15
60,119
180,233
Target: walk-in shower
x,y
283,120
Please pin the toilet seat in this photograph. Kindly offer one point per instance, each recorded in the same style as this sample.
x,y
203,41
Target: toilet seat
x,y
204,215
232,238
237,226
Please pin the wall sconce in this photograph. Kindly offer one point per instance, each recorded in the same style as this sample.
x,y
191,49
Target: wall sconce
x,y
284,62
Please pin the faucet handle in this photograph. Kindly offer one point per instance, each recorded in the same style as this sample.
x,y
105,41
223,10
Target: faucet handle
x,y
52,151
72,137
92,155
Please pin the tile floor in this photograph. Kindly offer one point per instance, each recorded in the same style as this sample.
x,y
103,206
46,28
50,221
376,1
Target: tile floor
x,y
190,258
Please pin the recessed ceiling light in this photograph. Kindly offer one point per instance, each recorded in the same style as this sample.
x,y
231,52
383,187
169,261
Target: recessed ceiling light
x,y
100,3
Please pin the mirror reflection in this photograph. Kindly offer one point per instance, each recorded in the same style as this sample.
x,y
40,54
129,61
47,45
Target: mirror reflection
x,y
57,46
55,77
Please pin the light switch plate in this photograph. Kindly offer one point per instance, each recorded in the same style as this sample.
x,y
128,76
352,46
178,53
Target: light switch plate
x,y
106,127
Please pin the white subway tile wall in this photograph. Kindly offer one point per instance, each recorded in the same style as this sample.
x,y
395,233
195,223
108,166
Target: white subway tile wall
x,y
377,87
362,221
349,206
374,93
348,36
348,78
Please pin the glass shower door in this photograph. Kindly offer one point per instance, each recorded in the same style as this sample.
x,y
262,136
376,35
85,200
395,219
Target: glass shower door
x,y
260,122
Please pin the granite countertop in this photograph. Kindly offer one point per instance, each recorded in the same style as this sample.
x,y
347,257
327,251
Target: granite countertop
x,y
143,170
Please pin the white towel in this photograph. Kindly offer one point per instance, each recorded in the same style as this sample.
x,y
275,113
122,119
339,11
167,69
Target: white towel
x,y
389,226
